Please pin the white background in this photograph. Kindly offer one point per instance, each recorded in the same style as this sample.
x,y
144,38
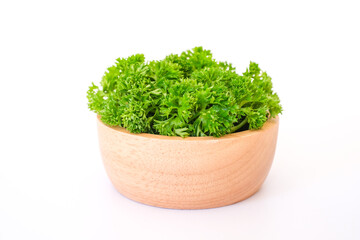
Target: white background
x,y
52,182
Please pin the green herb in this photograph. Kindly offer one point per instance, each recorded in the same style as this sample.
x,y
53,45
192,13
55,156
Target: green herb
x,y
189,94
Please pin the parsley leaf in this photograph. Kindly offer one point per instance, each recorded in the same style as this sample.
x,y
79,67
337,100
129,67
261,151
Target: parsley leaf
x,y
190,94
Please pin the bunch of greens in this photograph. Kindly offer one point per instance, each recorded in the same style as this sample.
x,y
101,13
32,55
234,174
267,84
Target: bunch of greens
x,y
189,94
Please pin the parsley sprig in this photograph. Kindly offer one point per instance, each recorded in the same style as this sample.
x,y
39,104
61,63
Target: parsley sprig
x,y
189,94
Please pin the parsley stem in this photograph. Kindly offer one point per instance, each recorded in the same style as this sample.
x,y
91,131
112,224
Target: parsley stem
x,y
237,127
194,117
197,114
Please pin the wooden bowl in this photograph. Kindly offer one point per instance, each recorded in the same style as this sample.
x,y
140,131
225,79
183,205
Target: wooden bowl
x,y
188,173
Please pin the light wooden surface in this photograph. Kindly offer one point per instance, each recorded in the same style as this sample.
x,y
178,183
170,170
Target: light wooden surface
x,y
190,173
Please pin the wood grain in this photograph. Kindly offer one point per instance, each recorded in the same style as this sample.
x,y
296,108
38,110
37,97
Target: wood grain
x,y
188,173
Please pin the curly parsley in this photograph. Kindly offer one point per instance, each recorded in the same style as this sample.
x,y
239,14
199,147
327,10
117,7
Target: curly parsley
x,y
189,94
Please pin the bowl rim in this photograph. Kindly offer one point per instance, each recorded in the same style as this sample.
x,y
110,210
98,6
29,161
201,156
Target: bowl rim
x,y
270,123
